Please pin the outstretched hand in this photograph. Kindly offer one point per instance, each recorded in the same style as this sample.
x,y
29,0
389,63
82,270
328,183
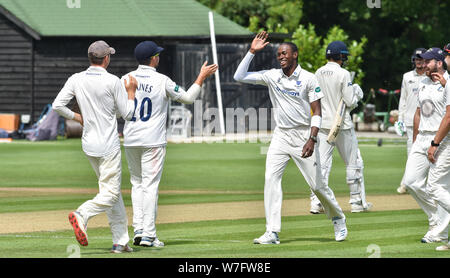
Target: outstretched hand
x,y
208,70
259,42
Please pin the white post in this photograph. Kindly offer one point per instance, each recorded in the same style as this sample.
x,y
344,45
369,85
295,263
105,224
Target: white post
x,y
218,91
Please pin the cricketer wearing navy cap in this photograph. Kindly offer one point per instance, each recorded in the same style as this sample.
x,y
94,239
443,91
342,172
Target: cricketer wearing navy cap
x,y
145,136
433,53
337,50
434,61
145,50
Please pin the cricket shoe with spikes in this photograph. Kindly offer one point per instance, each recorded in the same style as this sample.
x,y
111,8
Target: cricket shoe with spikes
x,y
79,228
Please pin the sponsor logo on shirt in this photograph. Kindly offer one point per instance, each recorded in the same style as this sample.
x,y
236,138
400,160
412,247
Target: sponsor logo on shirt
x,y
143,76
317,89
286,92
91,73
327,72
177,88
349,84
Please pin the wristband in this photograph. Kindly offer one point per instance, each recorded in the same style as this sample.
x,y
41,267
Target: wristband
x,y
316,121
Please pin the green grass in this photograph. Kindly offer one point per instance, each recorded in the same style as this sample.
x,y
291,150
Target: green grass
x,y
212,167
235,169
396,233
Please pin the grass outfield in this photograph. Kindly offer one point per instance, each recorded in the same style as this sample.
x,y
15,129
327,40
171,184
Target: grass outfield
x,y
390,234
231,172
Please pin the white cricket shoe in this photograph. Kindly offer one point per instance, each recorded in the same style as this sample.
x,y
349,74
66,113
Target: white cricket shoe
x,y
431,237
137,237
117,248
316,208
267,238
151,242
340,229
445,247
402,189
358,207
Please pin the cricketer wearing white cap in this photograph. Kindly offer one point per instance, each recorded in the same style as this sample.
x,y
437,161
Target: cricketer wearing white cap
x,y
408,101
423,178
100,96
294,92
145,136
336,84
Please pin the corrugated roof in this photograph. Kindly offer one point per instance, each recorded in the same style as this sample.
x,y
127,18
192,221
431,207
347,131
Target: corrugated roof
x,y
135,18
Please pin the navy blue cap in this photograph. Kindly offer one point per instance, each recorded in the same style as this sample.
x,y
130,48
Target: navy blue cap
x,y
419,51
433,53
146,49
337,47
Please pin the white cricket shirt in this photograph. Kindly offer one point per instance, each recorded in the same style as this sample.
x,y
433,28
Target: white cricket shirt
x,y
408,97
336,84
100,96
432,99
290,96
147,128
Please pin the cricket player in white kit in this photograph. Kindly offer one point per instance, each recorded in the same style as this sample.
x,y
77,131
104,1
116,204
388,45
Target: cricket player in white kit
x,y
145,136
408,101
439,154
294,92
336,84
425,180
100,96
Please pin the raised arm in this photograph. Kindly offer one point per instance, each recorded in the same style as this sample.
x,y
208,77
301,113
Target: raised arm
x,y
242,74
175,92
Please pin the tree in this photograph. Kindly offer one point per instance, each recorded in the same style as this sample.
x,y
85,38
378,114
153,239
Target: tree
x,y
275,16
312,49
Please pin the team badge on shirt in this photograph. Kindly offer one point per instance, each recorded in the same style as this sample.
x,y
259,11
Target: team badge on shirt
x,y
317,89
427,108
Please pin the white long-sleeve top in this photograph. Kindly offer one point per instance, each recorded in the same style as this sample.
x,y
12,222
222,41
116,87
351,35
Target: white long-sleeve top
x,y
408,97
100,96
336,84
147,127
290,95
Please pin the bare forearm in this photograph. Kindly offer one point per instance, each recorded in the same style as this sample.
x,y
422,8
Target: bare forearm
x,y
416,124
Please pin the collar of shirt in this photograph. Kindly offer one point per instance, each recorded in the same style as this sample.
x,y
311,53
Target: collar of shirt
x,y
295,74
333,64
97,69
143,67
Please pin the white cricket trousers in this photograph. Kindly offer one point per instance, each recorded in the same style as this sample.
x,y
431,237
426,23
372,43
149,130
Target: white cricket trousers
x,y
286,144
347,146
109,199
428,183
409,142
146,167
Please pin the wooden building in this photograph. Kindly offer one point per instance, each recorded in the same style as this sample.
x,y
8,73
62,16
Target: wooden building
x,y
44,42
